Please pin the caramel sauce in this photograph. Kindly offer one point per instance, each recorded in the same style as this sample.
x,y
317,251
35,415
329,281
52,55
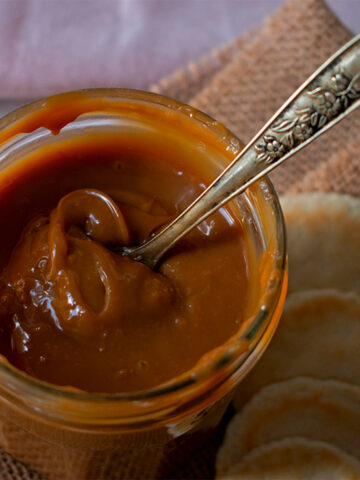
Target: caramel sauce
x,y
73,311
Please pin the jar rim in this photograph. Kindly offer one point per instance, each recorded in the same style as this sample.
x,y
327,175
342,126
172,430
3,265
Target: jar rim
x,y
36,387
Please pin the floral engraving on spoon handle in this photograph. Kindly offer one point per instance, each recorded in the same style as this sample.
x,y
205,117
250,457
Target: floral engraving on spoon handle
x,y
324,99
325,104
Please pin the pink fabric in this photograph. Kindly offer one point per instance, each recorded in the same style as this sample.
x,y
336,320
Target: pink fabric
x,y
48,46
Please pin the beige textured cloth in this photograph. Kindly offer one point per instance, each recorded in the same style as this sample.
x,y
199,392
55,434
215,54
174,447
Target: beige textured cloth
x,y
242,84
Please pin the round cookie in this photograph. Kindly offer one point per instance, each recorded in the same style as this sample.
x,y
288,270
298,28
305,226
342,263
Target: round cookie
x,y
318,336
323,231
295,459
324,410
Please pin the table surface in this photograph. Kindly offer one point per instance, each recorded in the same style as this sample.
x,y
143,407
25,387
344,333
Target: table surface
x,y
151,38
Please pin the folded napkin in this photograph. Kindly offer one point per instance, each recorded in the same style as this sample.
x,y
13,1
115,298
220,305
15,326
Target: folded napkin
x,y
242,84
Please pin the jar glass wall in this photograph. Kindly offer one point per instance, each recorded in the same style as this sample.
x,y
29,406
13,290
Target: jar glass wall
x,y
65,433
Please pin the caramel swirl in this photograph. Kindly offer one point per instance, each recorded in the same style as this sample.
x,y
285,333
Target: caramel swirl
x,y
85,285
73,311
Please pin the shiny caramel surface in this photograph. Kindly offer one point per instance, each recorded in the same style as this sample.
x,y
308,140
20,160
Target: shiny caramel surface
x,y
73,311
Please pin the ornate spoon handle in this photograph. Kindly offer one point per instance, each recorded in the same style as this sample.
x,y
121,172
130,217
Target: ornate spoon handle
x,y
329,94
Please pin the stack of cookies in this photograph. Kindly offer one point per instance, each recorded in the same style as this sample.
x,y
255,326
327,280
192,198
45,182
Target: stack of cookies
x,y
299,408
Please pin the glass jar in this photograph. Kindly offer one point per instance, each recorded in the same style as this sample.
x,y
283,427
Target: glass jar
x,y
65,433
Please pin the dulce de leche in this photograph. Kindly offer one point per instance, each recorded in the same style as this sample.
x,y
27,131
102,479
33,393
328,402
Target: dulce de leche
x,y
109,369
73,311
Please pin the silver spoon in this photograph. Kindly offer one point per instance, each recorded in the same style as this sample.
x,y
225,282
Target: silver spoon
x,y
326,97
